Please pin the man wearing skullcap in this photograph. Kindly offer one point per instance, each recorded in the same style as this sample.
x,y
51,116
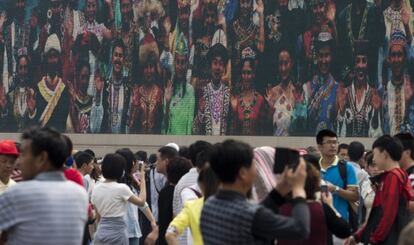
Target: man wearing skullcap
x,y
52,97
179,95
397,106
8,156
361,115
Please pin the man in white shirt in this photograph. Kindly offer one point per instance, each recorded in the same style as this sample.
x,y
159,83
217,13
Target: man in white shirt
x,y
8,156
182,191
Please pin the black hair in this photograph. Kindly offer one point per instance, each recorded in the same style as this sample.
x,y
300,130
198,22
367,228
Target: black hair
x,y
176,168
129,163
80,64
343,146
120,44
90,152
369,158
69,145
47,140
210,182
167,152
141,156
152,159
203,158
228,158
82,158
313,160
356,151
324,133
407,140
389,144
184,152
197,147
113,166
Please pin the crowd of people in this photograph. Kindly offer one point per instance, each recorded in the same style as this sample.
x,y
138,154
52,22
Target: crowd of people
x,y
208,67
223,193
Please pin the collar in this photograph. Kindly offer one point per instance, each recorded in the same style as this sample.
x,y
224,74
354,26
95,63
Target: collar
x,y
51,176
335,162
230,195
193,170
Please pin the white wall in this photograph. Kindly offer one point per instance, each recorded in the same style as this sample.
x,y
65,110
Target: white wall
x,y
104,143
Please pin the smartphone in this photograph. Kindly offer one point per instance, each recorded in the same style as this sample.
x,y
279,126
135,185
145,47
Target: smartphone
x,y
285,157
140,165
324,188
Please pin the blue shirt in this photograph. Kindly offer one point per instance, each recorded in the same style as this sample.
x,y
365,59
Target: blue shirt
x,y
332,175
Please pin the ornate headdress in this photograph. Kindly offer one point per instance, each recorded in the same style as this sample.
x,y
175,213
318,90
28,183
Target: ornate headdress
x,y
52,43
150,6
398,38
148,48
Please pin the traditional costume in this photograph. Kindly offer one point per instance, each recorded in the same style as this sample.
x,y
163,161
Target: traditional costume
x,y
179,115
52,106
214,105
397,97
145,116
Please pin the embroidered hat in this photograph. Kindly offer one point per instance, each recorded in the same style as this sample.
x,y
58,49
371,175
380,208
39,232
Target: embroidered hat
x,y
248,53
324,39
398,38
181,47
218,50
8,147
52,43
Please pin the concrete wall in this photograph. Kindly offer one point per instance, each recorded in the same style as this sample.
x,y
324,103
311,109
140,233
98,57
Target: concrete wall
x,y
104,143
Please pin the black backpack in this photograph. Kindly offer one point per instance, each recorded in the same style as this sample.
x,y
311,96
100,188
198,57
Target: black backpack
x,y
352,215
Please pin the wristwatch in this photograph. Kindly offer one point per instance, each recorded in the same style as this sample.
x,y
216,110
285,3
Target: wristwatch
x,y
336,189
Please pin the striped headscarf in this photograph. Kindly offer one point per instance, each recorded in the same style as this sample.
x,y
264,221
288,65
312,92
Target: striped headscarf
x,y
264,158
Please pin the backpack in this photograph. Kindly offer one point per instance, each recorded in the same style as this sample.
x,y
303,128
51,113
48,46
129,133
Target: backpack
x,y
352,215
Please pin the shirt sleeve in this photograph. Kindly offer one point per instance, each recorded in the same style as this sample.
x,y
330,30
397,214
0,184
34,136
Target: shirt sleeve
x,y
351,175
336,225
390,203
125,192
270,226
182,220
7,211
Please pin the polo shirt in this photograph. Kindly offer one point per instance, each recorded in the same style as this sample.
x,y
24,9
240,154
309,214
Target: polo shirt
x,y
3,187
47,210
332,175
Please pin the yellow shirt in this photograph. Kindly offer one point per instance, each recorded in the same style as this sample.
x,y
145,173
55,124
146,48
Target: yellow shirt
x,y
190,217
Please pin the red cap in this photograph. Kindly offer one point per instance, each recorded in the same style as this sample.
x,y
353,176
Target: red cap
x,y
8,147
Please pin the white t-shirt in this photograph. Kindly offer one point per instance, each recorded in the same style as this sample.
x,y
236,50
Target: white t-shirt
x,y
111,199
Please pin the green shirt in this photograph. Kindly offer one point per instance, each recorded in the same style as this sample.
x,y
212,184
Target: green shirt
x,y
181,113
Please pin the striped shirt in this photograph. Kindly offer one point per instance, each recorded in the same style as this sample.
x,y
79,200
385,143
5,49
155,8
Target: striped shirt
x,y
46,210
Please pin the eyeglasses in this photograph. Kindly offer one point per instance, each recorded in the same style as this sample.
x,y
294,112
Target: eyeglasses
x,y
247,72
330,142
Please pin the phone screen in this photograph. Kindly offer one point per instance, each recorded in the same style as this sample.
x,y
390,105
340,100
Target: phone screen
x,y
324,188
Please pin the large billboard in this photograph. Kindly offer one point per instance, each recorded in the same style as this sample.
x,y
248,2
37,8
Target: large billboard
x,y
207,67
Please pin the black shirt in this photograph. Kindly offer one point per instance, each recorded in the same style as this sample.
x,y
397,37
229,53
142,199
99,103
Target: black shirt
x,y
165,211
